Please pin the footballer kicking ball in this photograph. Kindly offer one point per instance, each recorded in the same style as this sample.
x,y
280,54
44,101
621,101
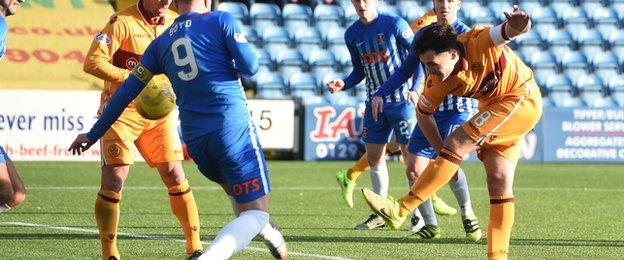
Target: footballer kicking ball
x,y
156,100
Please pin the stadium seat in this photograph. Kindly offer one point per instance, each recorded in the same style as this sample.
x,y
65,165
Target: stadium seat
x,y
615,83
328,16
605,63
275,39
532,38
321,62
389,9
574,63
270,85
251,34
296,15
264,15
544,61
238,10
589,39
593,92
410,10
565,99
335,36
289,62
572,15
619,52
264,58
616,38
497,8
302,85
559,83
591,83
341,53
607,29
308,39
597,100
480,16
544,15
559,41
602,15
360,92
341,98
547,102
350,14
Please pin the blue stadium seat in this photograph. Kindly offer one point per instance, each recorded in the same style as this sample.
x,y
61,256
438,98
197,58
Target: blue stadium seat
x,y
479,16
593,93
574,63
289,62
591,83
618,7
597,100
605,63
275,39
328,16
270,85
619,52
321,62
615,39
602,15
565,99
544,61
559,83
532,38
572,15
341,53
341,98
387,8
238,10
302,85
497,8
615,83
264,15
350,14
264,59
559,40
544,15
335,36
547,102
296,15
307,40
410,10
251,34
589,38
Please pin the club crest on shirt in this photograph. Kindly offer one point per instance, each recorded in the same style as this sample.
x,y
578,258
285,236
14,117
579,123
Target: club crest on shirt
x,y
103,38
240,38
477,67
131,62
429,83
381,39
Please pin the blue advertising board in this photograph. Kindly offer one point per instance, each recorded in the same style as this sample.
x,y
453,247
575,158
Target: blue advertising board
x,y
332,132
583,135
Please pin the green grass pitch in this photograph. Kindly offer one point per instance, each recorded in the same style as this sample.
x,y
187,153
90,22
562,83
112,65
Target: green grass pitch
x,y
563,211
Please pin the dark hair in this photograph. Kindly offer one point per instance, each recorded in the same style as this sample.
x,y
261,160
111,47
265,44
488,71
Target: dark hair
x,y
436,37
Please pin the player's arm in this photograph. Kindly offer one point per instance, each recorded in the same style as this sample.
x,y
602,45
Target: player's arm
x,y
127,91
245,59
518,23
357,74
106,43
427,105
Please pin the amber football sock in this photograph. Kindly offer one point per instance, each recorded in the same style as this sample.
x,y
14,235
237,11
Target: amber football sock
x,y
437,174
184,208
360,166
107,217
499,228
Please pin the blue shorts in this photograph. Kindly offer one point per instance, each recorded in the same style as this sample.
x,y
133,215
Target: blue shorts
x,y
3,156
233,156
397,117
447,123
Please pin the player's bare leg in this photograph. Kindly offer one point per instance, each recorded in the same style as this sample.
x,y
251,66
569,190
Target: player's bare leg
x,y
107,207
252,218
500,176
182,204
415,165
12,191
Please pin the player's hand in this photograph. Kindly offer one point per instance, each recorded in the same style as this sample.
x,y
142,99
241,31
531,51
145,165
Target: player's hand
x,y
412,97
335,85
518,21
376,106
81,144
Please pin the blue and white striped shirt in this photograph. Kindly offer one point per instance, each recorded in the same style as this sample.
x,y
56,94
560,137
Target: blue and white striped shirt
x,y
377,51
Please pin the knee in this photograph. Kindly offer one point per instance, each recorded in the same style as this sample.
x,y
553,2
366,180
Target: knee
x,y
18,198
496,178
412,174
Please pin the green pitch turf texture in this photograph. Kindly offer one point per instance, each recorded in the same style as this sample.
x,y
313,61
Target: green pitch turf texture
x,y
563,211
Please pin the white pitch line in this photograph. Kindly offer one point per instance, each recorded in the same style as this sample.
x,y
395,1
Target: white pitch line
x,y
308,188
93,231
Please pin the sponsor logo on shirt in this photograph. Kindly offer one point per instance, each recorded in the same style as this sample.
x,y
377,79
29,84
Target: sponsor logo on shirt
x,y
477,67
103,38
